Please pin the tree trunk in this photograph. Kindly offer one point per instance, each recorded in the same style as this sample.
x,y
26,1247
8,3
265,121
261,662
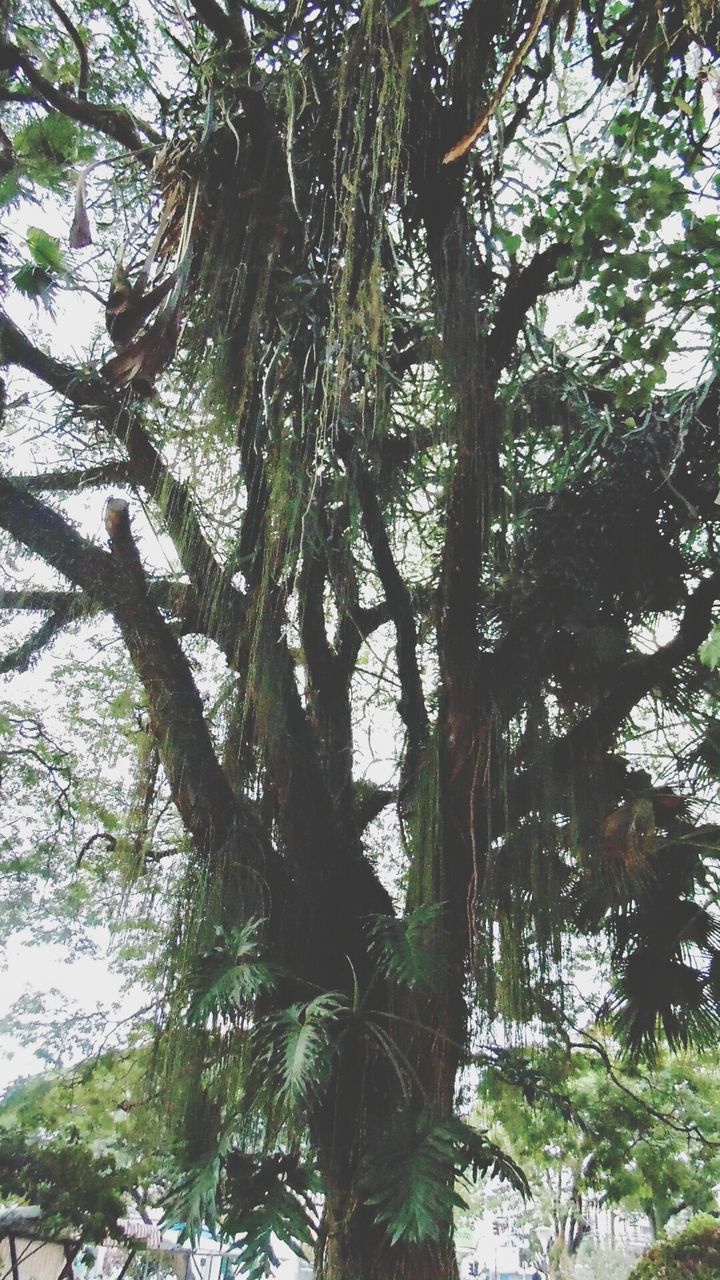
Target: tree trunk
x,y
353,1247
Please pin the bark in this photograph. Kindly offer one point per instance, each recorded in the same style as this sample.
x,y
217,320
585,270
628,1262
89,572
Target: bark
x,y
115,580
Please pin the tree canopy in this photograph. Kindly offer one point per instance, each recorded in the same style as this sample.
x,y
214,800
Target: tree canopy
x,y
359,494
587,1133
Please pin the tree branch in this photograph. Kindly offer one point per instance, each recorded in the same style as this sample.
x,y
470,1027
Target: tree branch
x,y
272,21
520,295
44,601
369,801
640,675
22,657
114,122
79,45
225,28
209,809
412,700
220,604
68,481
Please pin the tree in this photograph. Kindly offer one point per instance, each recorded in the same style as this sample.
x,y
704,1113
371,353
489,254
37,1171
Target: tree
x,y
332,243
84,1142
694,1252
645,1141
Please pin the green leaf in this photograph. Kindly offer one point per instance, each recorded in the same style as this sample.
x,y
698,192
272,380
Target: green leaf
x,y
411,1173
46,252
408,950
49,148
268,1195
35,283
709,651
11,188
230,976
303,1044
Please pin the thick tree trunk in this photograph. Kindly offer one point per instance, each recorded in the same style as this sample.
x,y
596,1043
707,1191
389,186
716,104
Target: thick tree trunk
x,y
352,1249
367,1102
353,1246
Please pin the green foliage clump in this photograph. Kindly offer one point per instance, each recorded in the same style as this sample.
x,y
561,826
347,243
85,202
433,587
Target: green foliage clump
x,y
407,950
410,1177
78,1192
695,1253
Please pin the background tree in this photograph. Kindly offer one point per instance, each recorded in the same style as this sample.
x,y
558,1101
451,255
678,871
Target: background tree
x,y
101,1110
391,481
636,1139
693,1252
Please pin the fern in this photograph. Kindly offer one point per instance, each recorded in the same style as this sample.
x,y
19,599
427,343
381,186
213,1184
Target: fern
x,y
194,1201
302,1039
230,976
407,950
268,1196
410,1178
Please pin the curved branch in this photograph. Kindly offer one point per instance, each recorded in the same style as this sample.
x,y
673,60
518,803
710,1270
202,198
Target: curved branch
x,y
595,735
689,1130
114,122
22,657
640,675
79,43
221,605
520,295
412,700
369,801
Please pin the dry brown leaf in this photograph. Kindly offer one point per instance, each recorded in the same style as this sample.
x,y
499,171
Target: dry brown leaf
x,y
80,235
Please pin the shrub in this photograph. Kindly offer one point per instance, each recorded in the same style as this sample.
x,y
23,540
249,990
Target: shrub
x,y
693,1254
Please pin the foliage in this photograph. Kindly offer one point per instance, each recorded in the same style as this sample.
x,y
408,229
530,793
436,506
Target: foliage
x,y
269,1197
304,1036
228,975
693,1252
100,1112
359,531
78,1192
643,1141
406,949
407,1177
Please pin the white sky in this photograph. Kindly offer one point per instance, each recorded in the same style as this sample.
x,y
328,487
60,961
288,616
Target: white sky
x,y
86,981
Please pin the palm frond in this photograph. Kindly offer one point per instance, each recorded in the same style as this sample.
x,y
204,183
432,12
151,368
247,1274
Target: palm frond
x,y
657,994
